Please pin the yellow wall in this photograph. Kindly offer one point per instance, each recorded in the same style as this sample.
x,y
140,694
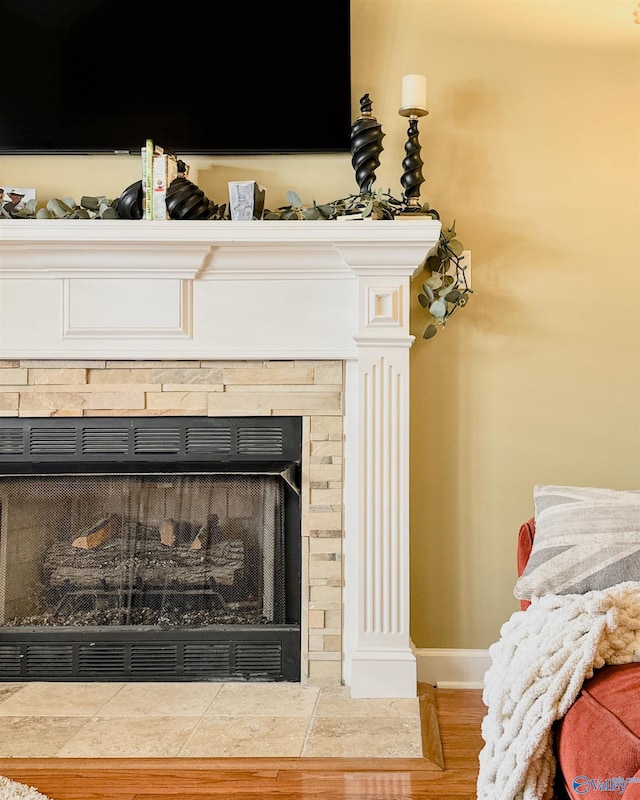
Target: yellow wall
x,y
532,144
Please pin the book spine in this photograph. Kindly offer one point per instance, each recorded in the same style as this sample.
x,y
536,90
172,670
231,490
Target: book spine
x,y
143,173
147,179
159,187
164,171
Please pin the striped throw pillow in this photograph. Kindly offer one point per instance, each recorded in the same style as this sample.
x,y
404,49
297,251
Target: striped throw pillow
x,y
586,538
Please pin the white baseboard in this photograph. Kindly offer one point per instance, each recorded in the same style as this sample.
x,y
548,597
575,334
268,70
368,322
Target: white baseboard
x,y
452,668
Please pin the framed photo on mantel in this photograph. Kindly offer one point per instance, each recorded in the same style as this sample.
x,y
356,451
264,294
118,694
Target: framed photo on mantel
x,y
15,198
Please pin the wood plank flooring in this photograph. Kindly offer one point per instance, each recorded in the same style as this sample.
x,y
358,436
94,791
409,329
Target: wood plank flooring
x,y
459,715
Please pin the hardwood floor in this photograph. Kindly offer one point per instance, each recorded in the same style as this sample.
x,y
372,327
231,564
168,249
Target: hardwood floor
x,y
459,711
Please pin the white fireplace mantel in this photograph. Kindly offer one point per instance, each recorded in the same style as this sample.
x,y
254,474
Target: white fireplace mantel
x,y
205,289
103,289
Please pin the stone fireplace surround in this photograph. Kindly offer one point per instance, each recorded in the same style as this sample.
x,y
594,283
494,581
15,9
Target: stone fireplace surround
x,y
220,318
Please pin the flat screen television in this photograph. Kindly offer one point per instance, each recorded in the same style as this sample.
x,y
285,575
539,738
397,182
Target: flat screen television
x,y
102,76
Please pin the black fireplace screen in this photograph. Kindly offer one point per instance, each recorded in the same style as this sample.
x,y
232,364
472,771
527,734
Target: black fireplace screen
x,y
170,551
150,548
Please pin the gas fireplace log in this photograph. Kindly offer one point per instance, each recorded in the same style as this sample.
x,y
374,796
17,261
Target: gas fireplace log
x,y
174,532
97,534
120,560
209,534
222,562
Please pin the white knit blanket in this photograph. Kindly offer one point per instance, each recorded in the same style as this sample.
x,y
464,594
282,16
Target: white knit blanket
x,y
12,790
537,669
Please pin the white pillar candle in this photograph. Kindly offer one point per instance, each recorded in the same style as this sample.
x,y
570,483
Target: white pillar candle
x,y
414,91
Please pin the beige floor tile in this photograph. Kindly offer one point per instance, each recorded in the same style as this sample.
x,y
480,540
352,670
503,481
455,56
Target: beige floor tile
x,y
161,700
265,699
44,699
129,737
36,737
338,703
234,737
368,737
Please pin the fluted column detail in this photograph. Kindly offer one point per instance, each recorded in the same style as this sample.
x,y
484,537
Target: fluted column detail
x,y
384,393
383,663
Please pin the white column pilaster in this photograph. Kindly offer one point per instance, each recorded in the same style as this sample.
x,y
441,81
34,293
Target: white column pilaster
x,y
382,664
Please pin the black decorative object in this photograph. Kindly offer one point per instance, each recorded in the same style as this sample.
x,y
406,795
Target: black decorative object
x,y
185,200
412,164
366,145
129,205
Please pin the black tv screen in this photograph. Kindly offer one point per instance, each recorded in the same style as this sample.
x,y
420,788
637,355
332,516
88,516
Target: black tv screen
x,y
102,76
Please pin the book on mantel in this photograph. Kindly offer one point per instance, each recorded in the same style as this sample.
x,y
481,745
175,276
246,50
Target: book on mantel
x,y
159,168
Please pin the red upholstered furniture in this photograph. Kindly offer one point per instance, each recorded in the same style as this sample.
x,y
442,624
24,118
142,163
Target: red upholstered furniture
x,y
599,737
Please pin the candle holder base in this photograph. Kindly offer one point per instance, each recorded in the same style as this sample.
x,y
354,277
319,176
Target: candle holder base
x,y
410,213
413,111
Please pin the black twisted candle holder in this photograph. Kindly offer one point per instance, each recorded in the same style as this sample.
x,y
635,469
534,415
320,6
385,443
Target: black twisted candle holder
x,y
412,177
366,145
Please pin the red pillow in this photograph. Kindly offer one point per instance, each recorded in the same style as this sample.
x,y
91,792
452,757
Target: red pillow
x,y
525,543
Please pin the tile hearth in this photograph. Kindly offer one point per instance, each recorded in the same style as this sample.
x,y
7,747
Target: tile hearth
x,y
212,720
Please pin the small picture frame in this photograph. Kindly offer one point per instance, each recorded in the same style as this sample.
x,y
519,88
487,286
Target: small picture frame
x,y
17,198
246,200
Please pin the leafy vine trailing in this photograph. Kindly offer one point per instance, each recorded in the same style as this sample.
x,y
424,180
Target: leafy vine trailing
x,y
443,280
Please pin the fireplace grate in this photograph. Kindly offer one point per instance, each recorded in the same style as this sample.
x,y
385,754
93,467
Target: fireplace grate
x,y
101,441
275,657
134,439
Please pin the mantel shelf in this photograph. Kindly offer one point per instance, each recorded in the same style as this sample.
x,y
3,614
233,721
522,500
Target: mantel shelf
x,y
206,249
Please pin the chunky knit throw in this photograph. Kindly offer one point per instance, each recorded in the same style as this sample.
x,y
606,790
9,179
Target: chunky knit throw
x,y
537,669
